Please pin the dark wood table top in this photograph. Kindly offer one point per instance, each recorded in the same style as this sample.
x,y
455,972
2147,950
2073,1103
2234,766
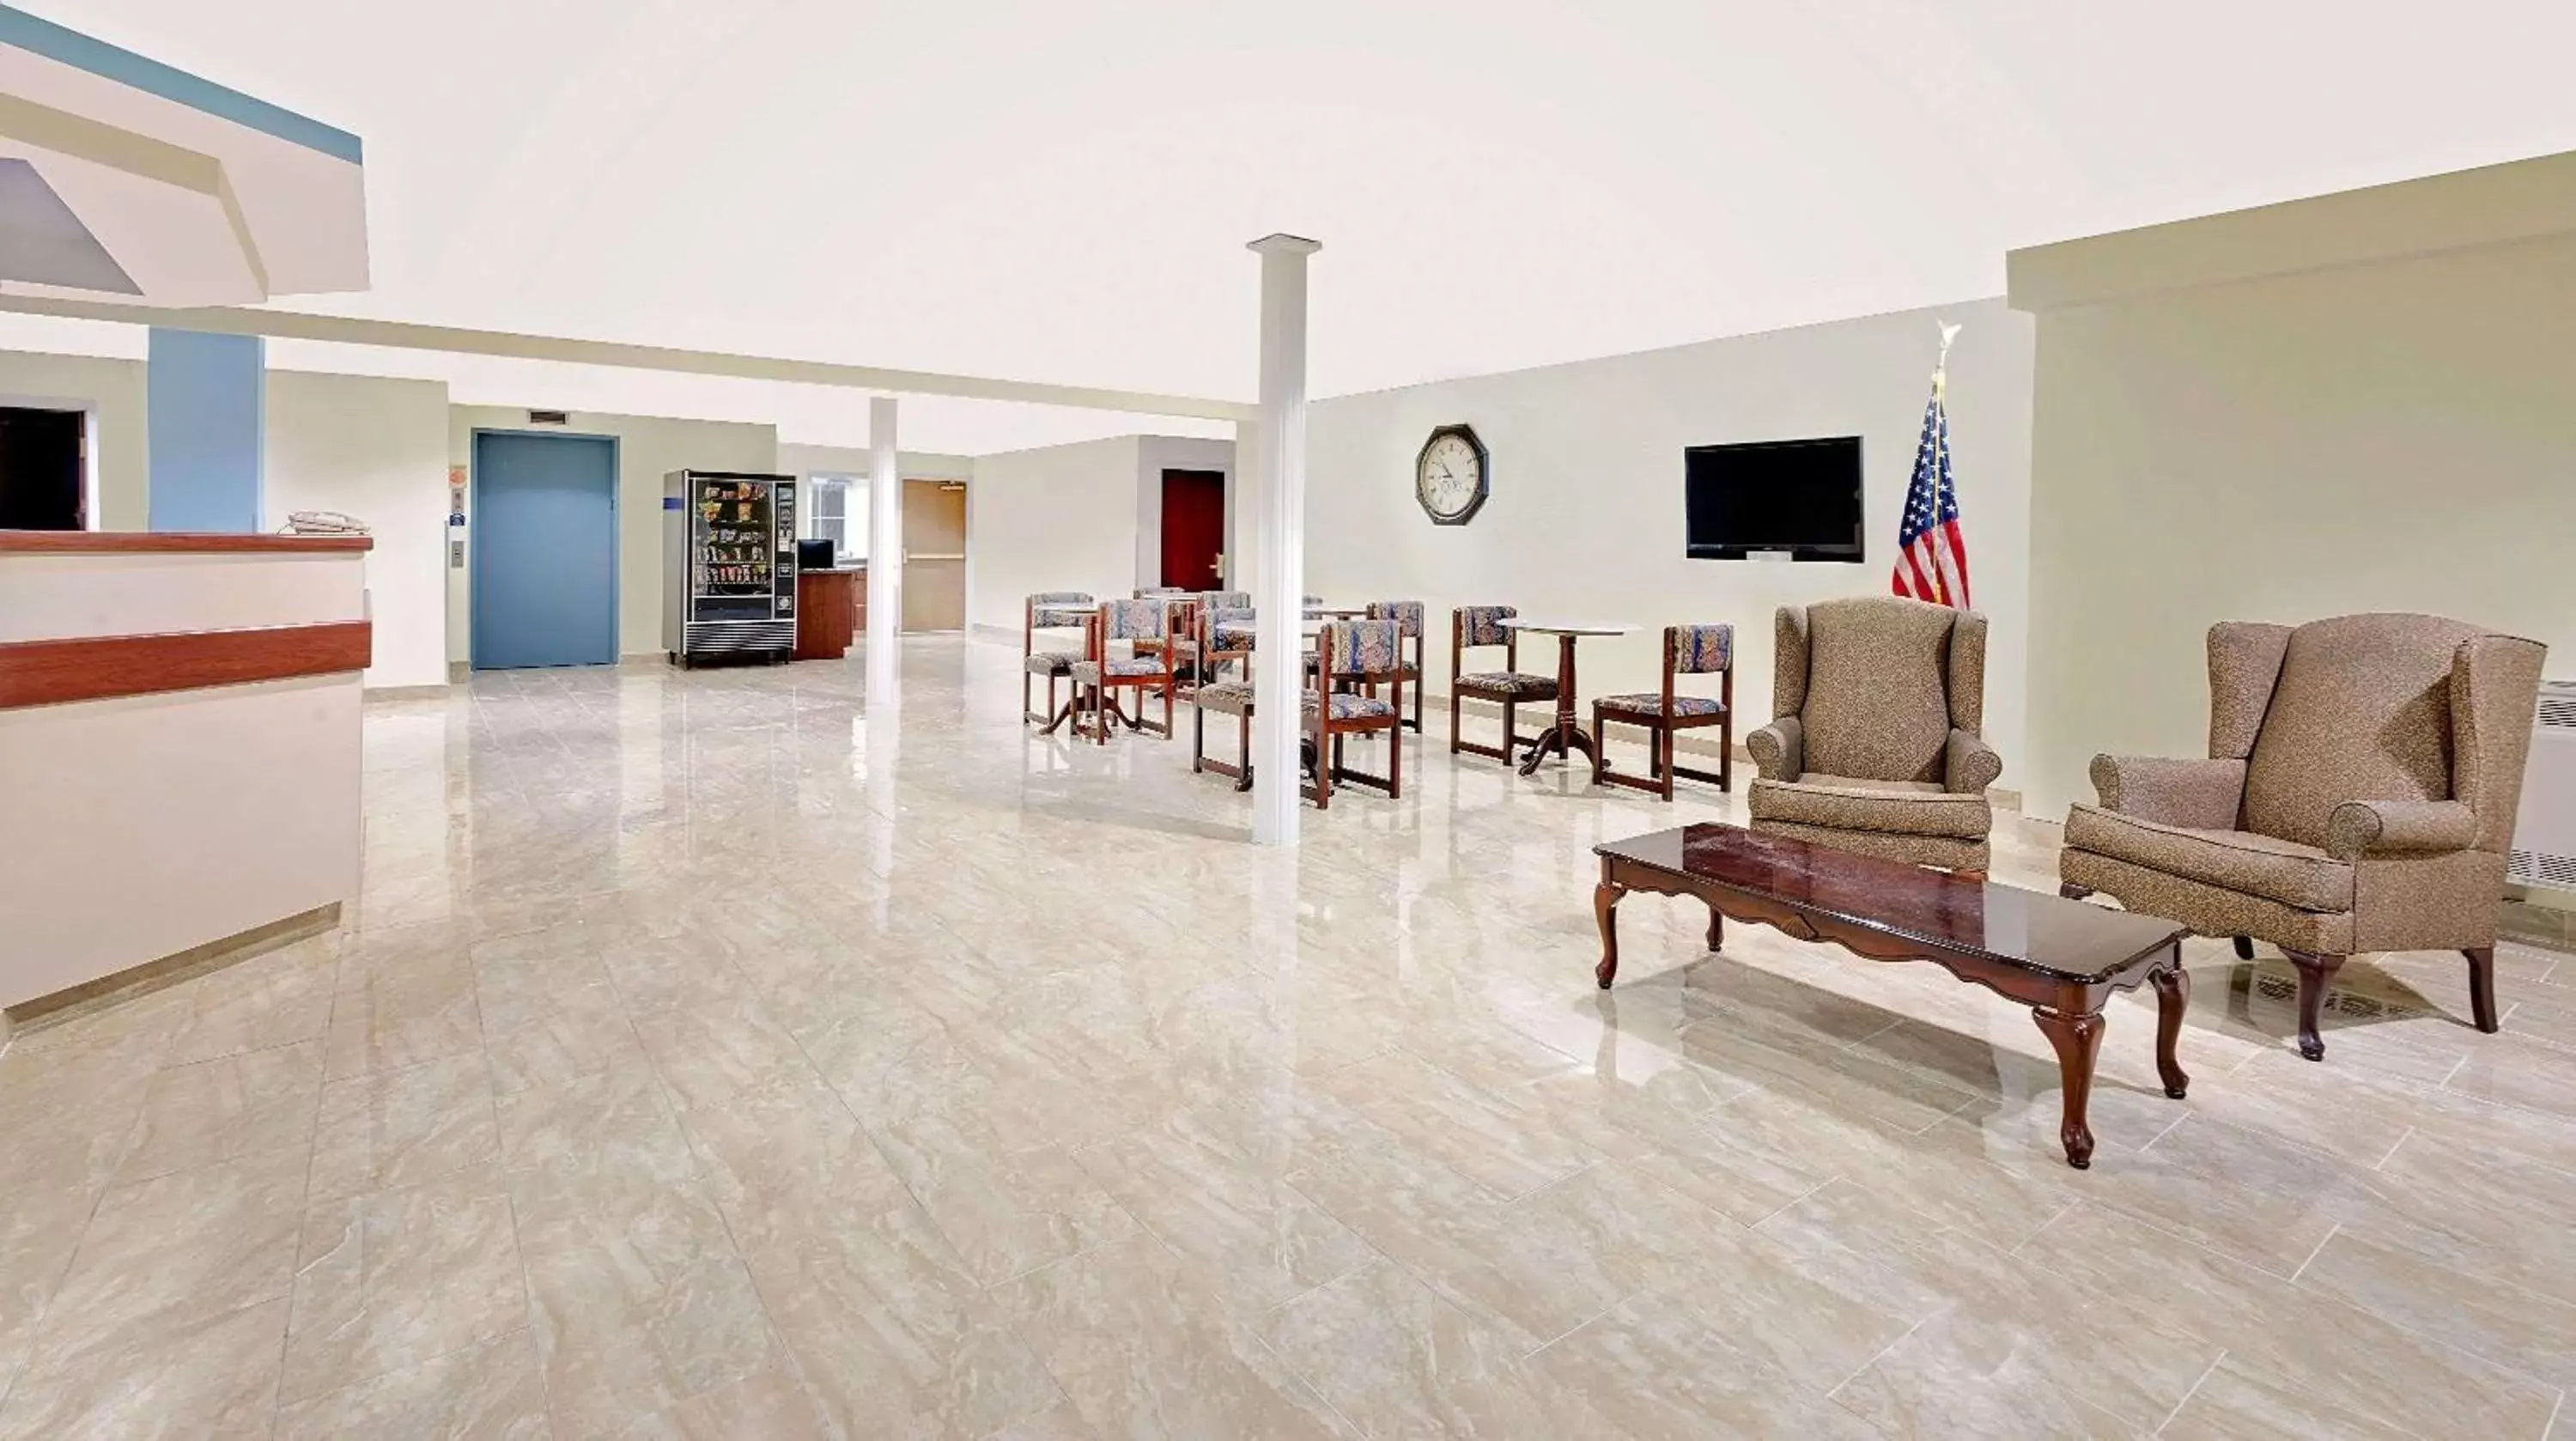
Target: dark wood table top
x,y
2071,940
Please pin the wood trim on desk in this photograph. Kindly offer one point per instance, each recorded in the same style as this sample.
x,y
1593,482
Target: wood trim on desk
x,y
122,542
54,672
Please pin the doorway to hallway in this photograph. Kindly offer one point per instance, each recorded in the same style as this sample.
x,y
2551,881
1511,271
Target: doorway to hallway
x,y
934,555
544,548
43,469
1194,529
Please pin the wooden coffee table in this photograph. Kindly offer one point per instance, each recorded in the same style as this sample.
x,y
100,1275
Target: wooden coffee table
x,y
2061,958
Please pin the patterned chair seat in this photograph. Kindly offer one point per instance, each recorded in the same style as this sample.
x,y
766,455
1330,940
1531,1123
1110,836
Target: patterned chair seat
x,y
1502,684
1652,703
1347,706
1234,637
1088,672
1231,697
1049,662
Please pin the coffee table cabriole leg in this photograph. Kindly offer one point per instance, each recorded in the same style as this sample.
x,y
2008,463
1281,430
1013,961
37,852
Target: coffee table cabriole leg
x,y
2077,1037
1605,908
2173,996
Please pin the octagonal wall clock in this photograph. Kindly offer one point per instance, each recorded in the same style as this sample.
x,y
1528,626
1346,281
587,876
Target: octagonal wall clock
x,y
1452,475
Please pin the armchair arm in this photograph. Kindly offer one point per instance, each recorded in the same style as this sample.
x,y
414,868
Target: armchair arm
x,y
2358,828
2204,795
1779,750
1970,766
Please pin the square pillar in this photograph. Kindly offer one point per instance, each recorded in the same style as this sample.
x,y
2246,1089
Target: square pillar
x,y
1279,540
205,419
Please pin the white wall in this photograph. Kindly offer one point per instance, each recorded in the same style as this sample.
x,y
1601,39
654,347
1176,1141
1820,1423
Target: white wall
x,y
2395,436
1058,518
1585,518
648,448
377,450
112,392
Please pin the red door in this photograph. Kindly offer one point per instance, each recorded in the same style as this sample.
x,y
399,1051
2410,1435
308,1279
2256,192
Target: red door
x,y
1194,529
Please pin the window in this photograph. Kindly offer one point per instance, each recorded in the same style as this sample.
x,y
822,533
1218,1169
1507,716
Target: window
x,y
836,509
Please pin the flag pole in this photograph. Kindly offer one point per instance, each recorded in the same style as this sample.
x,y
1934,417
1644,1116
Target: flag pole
x,y
1942,480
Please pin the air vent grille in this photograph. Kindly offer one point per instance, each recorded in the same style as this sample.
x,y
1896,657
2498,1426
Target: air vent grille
x,y
2558,709
549,417
2539,868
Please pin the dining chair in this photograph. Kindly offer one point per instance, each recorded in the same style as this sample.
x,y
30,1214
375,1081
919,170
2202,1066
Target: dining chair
x,y
1188,629
1099,675
1225,635
1353,657
1477,627
1228,697
1664,714
1049,610
1407,614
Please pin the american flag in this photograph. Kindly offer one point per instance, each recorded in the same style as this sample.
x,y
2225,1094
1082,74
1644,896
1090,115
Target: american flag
x,y
1931,554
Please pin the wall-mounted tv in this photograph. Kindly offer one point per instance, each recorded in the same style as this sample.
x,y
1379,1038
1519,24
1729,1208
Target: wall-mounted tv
x,y
1788,499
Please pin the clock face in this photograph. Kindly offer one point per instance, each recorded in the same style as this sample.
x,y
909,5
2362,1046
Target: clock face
x,y
1449,477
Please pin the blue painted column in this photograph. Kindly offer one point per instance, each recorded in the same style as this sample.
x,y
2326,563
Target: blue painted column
x,y
205,402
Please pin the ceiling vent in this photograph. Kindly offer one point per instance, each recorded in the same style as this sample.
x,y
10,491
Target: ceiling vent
x,y
549,417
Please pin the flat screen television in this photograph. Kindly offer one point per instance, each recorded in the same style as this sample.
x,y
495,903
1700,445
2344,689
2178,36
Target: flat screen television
x,y
1793,499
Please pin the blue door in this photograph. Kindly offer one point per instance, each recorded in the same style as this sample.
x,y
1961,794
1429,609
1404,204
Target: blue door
x,y
545,550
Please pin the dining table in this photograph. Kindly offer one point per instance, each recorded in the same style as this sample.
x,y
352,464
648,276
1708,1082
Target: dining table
x,y
1567,735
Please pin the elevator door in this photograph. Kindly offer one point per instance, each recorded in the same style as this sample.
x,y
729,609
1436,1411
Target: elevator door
x,y
544,547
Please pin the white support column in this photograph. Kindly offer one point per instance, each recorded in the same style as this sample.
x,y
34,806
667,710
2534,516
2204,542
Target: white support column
x,y
1279,539
885,553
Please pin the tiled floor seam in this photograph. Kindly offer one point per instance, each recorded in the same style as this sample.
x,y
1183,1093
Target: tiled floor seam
x,y
1834,1393
304,1207
2203,1379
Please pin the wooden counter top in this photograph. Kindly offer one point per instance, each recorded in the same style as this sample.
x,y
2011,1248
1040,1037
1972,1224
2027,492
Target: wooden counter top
x,y
166,542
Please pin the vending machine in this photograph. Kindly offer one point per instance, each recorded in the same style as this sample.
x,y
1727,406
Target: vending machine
x,y
728,565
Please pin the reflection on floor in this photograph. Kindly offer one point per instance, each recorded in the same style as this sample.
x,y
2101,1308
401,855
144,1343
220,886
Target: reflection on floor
x,y
711,1057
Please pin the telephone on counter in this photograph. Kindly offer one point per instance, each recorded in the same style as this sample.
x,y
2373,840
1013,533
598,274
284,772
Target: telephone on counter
x,y
322,522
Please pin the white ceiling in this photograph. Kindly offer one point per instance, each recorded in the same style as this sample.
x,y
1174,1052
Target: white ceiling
x,y
1061,191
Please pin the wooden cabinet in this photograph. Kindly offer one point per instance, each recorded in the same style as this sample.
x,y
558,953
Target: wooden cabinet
x,y
827,618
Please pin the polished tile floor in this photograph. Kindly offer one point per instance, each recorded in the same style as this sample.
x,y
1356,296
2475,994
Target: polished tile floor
x,y
709,1055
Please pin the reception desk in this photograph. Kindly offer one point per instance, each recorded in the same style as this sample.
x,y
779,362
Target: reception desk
x,y
179,750
831,611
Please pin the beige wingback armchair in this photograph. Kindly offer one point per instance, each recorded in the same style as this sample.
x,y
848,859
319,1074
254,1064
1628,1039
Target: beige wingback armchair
x,y
1873,747
2359,796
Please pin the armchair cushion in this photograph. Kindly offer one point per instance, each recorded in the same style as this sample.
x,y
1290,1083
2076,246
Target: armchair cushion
x,y
1048,662
2210,910
1878,678
2362,710
2299,876
1847,803
2358,828
1779,750
1971,765
2201,795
